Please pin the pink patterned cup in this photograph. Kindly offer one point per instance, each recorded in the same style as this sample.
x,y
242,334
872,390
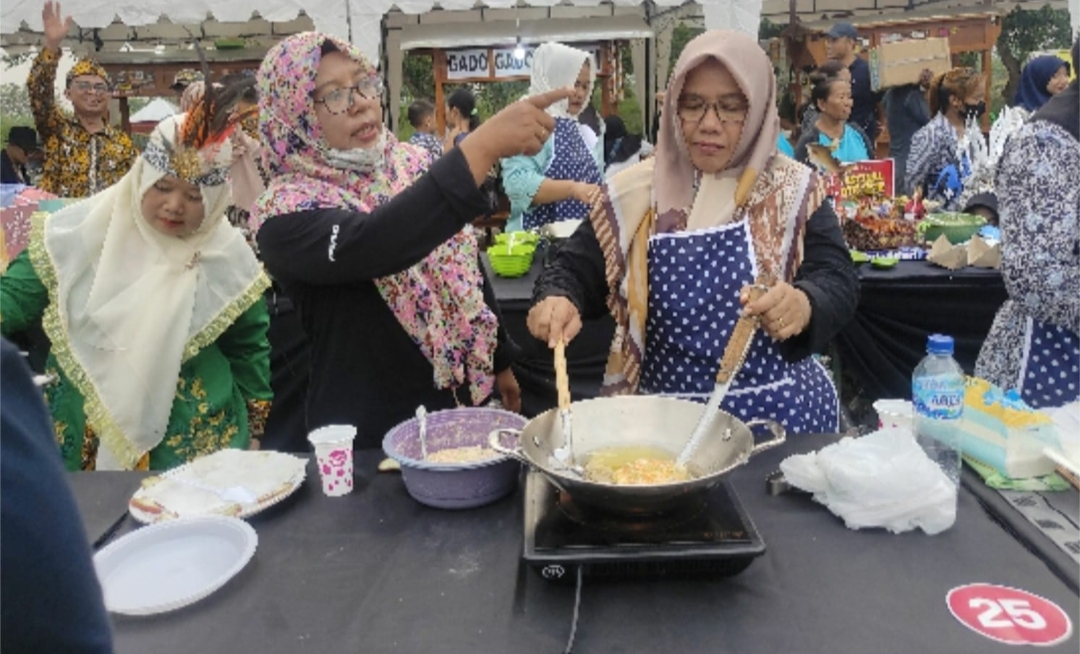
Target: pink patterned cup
x,y
334,456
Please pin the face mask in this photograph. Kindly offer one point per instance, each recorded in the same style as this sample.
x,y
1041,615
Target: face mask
x,y
359,160
974,110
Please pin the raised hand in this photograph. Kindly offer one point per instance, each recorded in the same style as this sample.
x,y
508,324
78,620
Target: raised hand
x,y
55,28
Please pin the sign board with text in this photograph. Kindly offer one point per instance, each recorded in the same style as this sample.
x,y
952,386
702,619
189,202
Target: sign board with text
x,y
864,179
498,63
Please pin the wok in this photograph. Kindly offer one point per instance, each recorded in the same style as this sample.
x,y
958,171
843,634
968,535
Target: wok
x,y
662,422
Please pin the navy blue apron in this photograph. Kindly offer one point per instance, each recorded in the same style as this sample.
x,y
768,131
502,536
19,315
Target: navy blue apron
x,y
694,284
1050,374
572,160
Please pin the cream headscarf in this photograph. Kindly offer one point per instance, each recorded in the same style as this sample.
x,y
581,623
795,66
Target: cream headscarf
x,y
556,66
128,304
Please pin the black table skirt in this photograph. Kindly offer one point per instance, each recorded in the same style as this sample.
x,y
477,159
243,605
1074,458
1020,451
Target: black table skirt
x,y
586,356
899,308
377,572
880,348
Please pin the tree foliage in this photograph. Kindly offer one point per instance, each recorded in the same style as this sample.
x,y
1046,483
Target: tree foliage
x,y
1026,31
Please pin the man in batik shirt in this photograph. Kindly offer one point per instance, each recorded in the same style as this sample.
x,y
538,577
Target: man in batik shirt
x,y
83,153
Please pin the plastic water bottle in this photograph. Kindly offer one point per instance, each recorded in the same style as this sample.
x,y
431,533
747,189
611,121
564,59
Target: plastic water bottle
x,y
937,391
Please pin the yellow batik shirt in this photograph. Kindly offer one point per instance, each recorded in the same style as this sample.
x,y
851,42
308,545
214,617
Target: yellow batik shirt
x,y
77,163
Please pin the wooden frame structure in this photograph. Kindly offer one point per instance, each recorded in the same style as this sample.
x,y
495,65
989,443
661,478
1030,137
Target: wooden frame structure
x,y
607,77
967,32
150,74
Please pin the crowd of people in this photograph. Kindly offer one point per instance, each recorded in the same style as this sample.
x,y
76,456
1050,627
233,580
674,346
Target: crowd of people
x,y
278,213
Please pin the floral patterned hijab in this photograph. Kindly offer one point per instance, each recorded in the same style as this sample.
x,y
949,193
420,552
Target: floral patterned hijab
x,y
439,301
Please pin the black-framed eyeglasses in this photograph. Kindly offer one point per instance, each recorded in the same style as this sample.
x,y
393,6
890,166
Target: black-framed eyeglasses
x,y
84,87
341,100
693,110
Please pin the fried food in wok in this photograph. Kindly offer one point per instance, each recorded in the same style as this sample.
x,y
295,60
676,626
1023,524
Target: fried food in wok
x,y
634,466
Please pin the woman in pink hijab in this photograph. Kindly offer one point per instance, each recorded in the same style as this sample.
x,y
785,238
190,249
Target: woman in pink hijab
x,y
674,243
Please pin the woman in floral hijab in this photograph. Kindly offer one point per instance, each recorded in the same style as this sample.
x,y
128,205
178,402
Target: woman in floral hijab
x,y
374,247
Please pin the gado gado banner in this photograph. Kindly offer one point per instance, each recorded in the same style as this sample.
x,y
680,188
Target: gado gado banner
x,y
498,63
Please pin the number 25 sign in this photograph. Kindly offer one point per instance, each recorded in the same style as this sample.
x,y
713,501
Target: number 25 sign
x,y
1009,615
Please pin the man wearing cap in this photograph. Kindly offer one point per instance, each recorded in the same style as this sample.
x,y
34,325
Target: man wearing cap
x,y
21,144
842,39
83,153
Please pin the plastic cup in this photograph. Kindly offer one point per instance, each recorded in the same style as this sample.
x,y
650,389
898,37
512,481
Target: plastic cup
x,y
334,456
894,414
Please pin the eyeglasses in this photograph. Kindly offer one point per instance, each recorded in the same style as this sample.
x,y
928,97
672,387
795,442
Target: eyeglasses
x,y
693,110
341,100
85,87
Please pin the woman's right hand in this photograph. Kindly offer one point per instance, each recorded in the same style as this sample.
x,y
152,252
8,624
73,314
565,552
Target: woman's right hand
x,y
55,29
553,319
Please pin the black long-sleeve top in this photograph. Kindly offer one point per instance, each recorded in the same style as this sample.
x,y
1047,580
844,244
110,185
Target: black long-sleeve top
x,y
826,275
365,369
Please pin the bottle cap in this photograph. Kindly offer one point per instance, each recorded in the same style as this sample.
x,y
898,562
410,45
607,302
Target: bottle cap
x,y
939,344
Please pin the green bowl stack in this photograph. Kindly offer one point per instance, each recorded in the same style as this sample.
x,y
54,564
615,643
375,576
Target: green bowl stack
x,y
510,258
957,227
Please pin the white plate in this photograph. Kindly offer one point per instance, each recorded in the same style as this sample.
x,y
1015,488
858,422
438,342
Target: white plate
x,y
561,229
172,564
268,476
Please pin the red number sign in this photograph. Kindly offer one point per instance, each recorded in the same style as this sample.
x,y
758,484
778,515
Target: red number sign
x,y
1009,615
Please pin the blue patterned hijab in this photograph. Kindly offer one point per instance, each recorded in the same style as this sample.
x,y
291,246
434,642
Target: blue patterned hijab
x,y
1032,94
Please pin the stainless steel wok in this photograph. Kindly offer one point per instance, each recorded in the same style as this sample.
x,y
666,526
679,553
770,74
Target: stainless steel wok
x,y
637,420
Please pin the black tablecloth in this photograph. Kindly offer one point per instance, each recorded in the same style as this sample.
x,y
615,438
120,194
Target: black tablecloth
x,y
1067,503
376,572
899,308
586,356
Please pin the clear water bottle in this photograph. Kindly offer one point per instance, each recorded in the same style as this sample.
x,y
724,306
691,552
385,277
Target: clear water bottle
x,y
937,391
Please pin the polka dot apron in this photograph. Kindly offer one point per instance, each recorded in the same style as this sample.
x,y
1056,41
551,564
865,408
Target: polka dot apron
x,y
571,160
694,284
1050,373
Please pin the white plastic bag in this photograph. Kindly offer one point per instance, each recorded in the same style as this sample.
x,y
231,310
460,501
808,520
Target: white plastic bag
x,y
883,479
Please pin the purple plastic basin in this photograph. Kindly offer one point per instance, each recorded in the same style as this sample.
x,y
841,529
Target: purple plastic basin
x,y
462,485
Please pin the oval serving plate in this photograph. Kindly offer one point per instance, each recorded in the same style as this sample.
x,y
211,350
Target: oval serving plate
x,y
200,487
173,564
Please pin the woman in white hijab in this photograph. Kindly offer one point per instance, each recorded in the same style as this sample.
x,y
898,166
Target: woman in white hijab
x,y
557,183
153,307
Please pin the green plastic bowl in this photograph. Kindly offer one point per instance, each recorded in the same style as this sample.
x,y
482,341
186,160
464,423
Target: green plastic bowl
x,y
957,227
511,262
859,258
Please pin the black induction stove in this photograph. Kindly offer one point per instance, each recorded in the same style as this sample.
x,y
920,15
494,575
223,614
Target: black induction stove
x,y
710,537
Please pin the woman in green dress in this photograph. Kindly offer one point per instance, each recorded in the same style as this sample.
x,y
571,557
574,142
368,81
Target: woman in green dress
x,y
153,307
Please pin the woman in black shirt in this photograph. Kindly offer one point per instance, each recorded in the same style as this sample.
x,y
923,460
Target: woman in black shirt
x,y
368,238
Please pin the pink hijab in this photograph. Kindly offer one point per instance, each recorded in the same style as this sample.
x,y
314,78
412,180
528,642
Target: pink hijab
x,y
750,66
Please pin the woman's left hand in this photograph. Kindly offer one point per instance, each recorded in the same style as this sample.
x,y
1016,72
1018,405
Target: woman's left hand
x,y
508,388
784,310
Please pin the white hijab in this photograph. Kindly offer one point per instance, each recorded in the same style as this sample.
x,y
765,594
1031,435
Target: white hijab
x,y
556,66
129,305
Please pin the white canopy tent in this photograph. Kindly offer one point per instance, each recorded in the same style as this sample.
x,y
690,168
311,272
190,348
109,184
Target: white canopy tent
x,y
155,111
